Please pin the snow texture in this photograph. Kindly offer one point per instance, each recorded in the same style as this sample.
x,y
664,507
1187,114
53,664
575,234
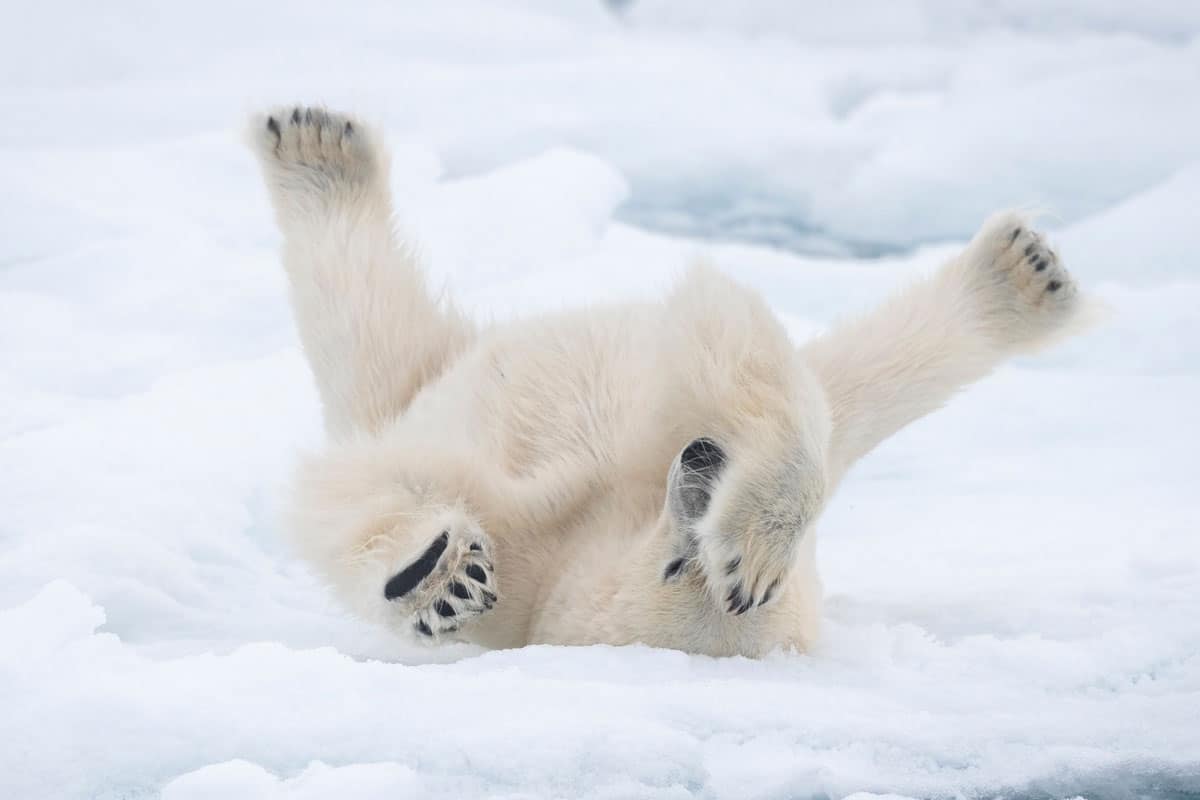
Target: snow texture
x,y
1014,583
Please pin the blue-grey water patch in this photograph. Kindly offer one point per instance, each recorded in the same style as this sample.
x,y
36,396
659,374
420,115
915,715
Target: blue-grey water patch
x,y
738,213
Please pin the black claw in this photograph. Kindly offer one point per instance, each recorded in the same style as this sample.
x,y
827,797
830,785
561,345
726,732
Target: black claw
x,y
745,606
460,591
489,599
407,579
273,126
476,546
296,115
1030,248
734,600
423,628
444,609
1039,265
732,566
770,591
1053,286
476,572
349,131
1012,237
673,569
308,115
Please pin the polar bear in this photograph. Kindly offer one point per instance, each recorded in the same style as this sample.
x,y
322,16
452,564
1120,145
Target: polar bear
x,y
638,473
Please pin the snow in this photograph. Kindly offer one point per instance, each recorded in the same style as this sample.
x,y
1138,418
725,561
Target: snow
x,y
1014,583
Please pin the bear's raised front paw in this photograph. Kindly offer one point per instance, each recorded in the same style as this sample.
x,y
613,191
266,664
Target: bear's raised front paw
x,y
1027,291
448,585
308,151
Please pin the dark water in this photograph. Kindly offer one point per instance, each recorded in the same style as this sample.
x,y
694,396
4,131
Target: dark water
x,y
1115,785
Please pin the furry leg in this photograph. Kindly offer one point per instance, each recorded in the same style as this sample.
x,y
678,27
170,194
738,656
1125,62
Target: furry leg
x,y
1005,293
372,333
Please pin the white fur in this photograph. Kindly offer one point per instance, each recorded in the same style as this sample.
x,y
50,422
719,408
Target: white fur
x,y
546,449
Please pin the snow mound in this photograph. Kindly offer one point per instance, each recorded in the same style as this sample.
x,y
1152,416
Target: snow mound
x,y
878,706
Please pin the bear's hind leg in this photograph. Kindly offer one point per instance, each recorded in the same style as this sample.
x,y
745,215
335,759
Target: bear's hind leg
x,y
1007,292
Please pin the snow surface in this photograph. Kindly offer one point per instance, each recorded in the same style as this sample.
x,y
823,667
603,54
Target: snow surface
x,y
1014,583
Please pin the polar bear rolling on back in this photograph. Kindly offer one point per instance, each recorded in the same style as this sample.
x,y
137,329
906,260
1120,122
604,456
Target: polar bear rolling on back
x,y
639,473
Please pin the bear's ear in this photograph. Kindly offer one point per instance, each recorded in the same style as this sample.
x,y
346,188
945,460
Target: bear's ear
x,y
693,477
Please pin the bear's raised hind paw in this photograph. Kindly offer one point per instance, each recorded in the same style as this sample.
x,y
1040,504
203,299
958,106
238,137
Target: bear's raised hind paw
x,y
1026,292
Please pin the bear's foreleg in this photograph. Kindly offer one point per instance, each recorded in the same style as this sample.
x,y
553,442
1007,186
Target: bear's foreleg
x,y
372,332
